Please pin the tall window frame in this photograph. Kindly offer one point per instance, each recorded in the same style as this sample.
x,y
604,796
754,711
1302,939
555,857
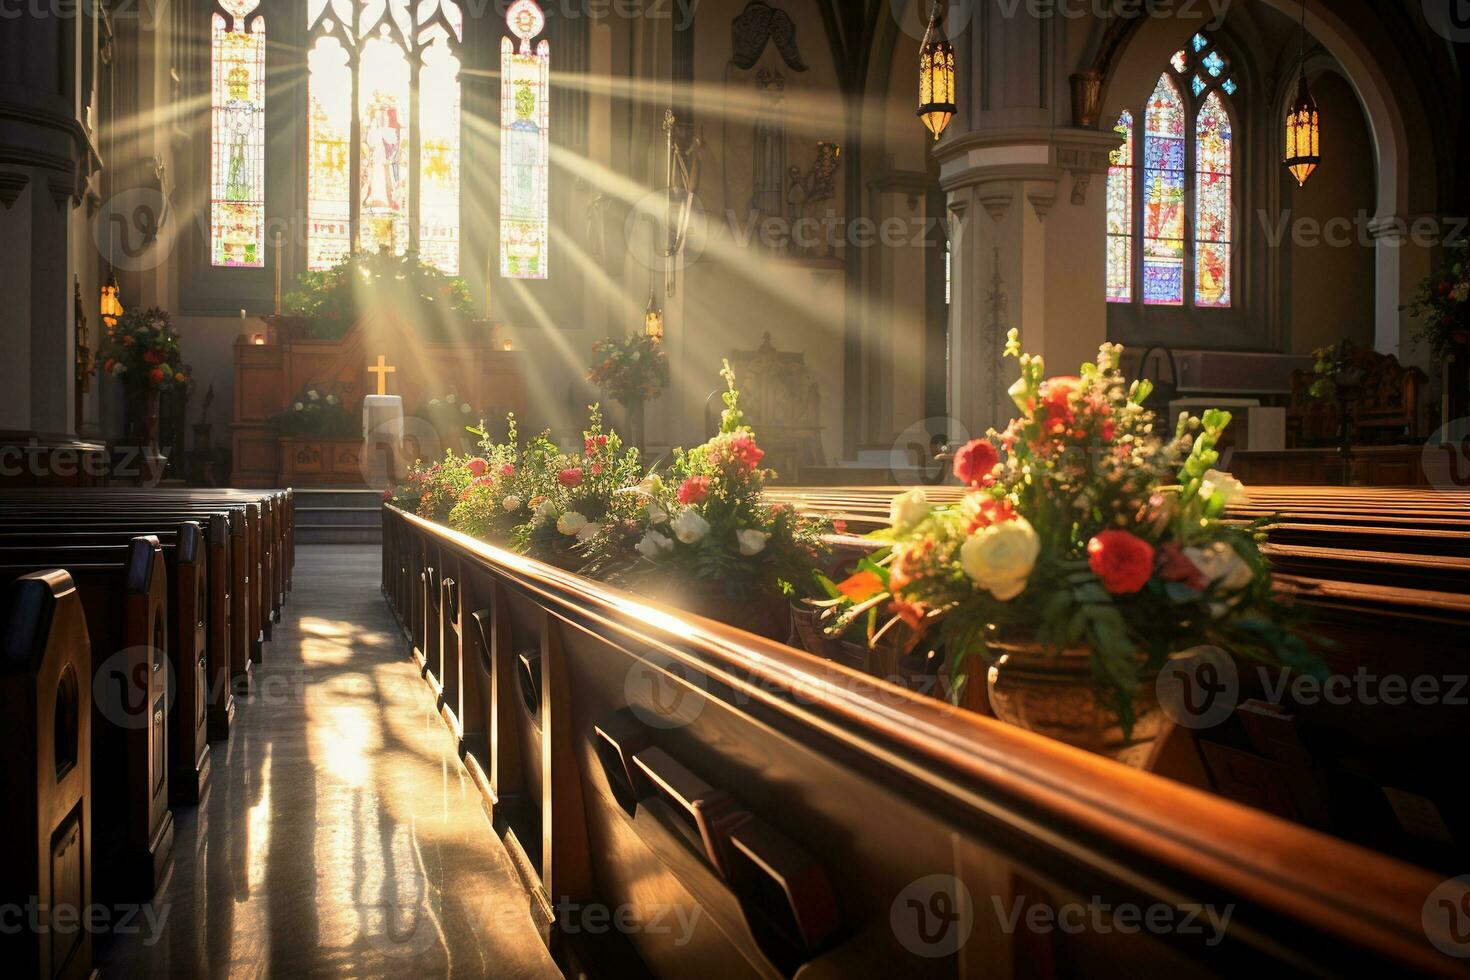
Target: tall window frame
x,y
359,198
237,134
1199,76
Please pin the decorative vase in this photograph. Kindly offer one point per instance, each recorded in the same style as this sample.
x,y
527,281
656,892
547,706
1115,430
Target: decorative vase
x,y
1054,694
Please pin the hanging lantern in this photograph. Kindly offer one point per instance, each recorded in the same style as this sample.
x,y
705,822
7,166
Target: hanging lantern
x,y
653,319
111,305
936,77
1303,136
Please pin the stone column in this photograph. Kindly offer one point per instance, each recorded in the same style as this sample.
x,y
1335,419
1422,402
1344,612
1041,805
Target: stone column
x,y
44,155
1026,194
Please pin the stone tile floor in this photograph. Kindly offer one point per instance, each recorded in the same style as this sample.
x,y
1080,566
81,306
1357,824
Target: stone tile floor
x,y
340,836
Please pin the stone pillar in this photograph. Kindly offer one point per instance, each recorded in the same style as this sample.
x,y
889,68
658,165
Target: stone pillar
x,y
1026,193
44,154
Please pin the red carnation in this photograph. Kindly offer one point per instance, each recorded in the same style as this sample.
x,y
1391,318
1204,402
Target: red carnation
x,y
743,450
974,463
1056,403
694,490
507,470
477,468
992,511
1122,560
570,477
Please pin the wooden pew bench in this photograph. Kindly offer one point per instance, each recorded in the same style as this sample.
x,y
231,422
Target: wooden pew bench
x,y
126,608
190,681
634,757
46,727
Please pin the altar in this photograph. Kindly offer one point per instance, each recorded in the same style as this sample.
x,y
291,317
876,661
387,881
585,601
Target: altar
x,y
298,400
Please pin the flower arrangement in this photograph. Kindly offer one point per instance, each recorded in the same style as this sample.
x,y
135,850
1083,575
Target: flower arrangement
x,y
142,351
1442,301
1084,526
316,413
707,520
632,370
332,300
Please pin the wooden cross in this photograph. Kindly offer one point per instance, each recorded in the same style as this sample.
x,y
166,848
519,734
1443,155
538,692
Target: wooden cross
x,y
382,370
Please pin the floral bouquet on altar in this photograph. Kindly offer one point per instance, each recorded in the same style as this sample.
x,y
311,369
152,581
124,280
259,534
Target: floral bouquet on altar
x,y
332,300
142,351
705,530
632,370
318,413
1087,537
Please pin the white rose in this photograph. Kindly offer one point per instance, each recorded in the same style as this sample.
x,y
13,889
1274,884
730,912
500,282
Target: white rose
x,y
298,406
1221,565
464,409
588,531
999,558
751,542
908,509
312,394
1226,486
653,545
689,527
570,523
657,514
511,504
451,399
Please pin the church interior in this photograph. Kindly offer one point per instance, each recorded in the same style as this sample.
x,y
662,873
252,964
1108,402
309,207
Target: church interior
x,y
750,488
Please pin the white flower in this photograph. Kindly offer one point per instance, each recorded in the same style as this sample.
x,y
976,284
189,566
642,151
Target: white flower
x,y
1215,483
433,403
999,558
511,504
451,399
689,527
751,542
1461,292
298,406
656,514
464,409
908,509
570,523
653,545
546,511
312,394
1221,565
331,399
588,531
119,369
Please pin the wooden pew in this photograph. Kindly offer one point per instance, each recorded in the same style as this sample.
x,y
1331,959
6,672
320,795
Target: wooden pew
x,y
634,758
126,609
189,682
46,727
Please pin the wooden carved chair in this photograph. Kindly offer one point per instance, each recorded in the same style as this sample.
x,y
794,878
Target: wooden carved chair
x,y
1385,412
782,402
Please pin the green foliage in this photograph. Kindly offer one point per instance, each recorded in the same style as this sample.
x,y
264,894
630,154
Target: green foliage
x,y
317,412
1442,301
634,369
333,300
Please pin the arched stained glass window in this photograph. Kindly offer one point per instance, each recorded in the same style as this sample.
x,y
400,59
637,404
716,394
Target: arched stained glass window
x,y
1120,215
1180,211
1163,196
1212,203
524,144
237,135
374,70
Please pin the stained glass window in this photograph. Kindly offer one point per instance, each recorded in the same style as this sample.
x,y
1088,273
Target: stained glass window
x,y
1163,196
1182,196
524,145
1212,151
237,135
1120,215
402,60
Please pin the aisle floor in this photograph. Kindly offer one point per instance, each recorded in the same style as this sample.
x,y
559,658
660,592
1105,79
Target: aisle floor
x,y
340,836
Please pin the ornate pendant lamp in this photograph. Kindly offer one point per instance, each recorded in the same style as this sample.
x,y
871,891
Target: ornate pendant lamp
x,y
653,319
111,304
1303,135
936,76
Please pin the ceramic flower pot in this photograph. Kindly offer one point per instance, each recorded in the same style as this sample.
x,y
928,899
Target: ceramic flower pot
x,y
1055,695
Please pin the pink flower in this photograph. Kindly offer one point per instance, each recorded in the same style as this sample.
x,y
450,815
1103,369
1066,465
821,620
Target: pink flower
x,y
694,490
387,495
507,470
570,477
743,450
1122,560
596,468
477,468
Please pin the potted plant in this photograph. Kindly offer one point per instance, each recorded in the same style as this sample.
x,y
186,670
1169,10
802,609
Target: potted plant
x,y
319,438
1088,551
632,371
142,352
